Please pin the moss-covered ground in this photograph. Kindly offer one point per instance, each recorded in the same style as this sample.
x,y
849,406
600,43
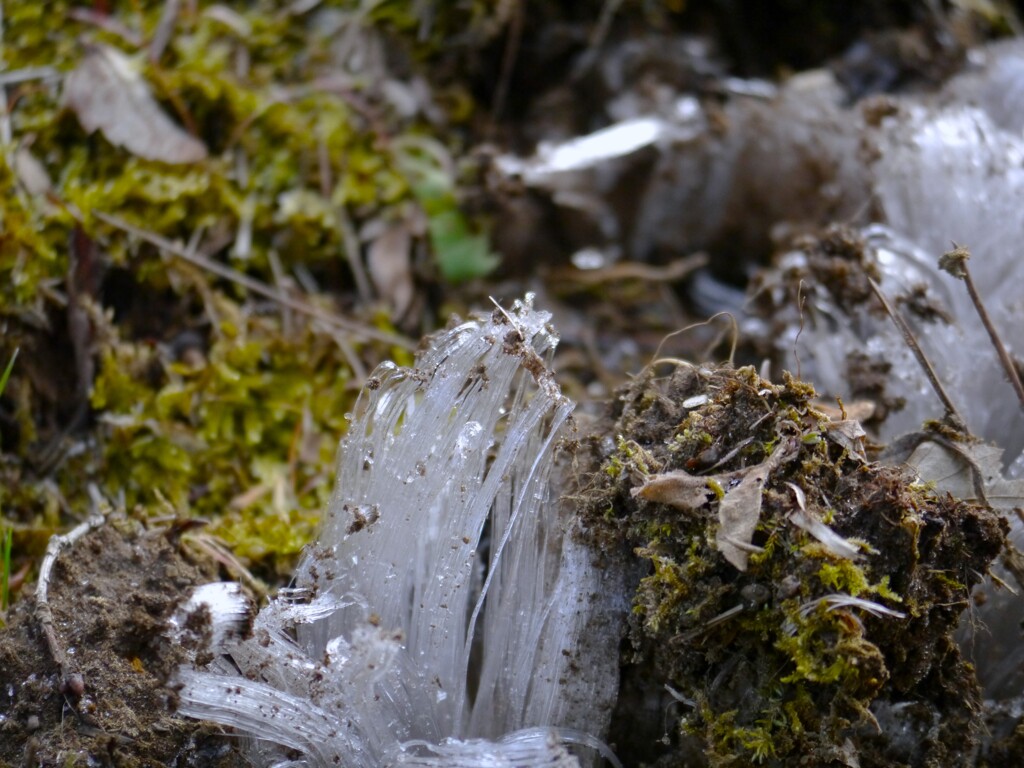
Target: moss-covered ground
x,y
809,649
216,218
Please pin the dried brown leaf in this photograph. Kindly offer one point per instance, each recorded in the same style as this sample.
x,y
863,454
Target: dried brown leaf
x,y
389,264
948,468
678,488
969,471
108,94
848,434
738,514
740,508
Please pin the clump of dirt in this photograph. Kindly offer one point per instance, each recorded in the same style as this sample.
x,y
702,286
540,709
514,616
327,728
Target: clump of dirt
x,y
798,602
820,281
111,593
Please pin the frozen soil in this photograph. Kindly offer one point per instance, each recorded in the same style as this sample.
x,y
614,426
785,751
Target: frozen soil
x,y
111,593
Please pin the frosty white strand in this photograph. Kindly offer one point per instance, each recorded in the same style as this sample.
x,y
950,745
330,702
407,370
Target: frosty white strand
x,y
257,708
506,535
533,747
440,617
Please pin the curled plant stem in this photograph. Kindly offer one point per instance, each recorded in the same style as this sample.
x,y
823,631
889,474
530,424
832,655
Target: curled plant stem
x,y
71,681
955,263
732,349
911,341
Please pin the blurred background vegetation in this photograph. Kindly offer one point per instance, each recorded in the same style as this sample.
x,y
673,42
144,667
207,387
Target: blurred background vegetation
x,y
217,218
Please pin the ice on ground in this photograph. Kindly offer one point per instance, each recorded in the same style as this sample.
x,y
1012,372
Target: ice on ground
x,y
447,615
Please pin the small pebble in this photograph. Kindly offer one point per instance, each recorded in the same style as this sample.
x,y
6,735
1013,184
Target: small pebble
x,y
73,684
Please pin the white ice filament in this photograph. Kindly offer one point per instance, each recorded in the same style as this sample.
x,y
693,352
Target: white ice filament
x,y
439,618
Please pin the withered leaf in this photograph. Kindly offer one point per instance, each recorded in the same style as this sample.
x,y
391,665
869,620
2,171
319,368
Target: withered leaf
x,y
847,434
390,267
739,510
108,94
678,488
969,471
738,514
950,468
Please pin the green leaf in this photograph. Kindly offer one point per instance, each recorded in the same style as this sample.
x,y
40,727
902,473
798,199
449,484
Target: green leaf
x,y
461,254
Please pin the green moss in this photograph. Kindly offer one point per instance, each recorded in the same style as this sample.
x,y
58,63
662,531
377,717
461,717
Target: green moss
x,y
784,664
244,430
247,436
844,576
663,591
827,647
630,457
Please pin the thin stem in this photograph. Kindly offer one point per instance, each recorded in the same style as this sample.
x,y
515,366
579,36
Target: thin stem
x,y
258,287
5,576
44,613
911,341
732,349
513,40
955,263
1004,356
5,115
353,253
800,301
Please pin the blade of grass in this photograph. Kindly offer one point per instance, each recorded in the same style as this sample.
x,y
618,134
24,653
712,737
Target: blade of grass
x,y
5,574
7,370
5,566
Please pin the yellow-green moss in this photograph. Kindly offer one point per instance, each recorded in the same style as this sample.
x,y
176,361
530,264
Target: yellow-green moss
x,y
782,661
243,429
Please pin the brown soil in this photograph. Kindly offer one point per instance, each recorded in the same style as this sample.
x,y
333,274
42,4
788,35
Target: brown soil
x,y
110,593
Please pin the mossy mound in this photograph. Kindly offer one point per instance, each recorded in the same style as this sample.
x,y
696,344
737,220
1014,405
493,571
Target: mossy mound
x,y
821,638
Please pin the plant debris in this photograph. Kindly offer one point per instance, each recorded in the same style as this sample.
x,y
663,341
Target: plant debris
x,y
739,504
108,94
217,218
828,631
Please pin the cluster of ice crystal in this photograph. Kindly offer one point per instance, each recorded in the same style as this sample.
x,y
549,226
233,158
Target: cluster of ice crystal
x,y
943,169
912,173
446,616
909,174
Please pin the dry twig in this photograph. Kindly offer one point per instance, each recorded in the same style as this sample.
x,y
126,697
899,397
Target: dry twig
x,y
911,341
71,681
262,289
631,270
955,263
